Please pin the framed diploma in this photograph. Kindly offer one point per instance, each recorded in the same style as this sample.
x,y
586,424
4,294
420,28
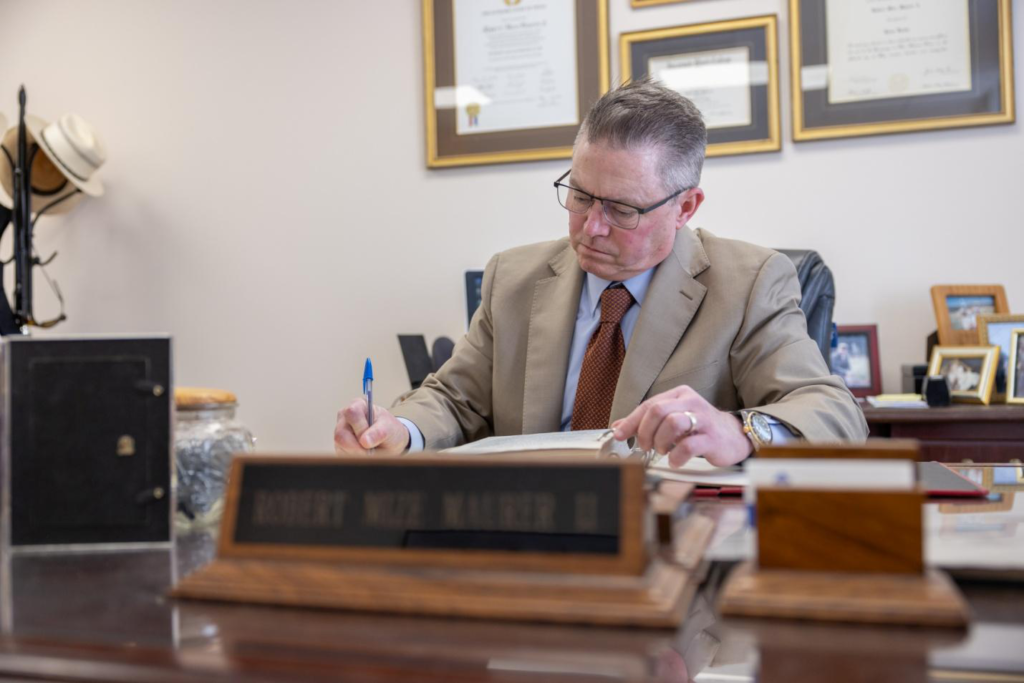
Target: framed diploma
x,y
728,69
863,67
510,80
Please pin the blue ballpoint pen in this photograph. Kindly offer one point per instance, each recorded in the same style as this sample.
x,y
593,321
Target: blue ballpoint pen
x,y
368,391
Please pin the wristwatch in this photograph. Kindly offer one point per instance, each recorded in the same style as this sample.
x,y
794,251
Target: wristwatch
x,y
757,428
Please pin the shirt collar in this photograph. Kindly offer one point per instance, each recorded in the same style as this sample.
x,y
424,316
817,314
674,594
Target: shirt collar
x,y
637,286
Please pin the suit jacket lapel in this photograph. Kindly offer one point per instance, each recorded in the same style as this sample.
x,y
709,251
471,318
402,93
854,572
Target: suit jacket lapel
x,y
669,305
552,320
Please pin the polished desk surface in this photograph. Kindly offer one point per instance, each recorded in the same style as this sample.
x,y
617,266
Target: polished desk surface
x,y
105,617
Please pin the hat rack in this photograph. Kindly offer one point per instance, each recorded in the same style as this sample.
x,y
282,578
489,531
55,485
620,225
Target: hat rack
x,y
21,317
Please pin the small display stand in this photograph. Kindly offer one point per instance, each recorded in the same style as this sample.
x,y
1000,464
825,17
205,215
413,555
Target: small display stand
x,y
537,538
842,554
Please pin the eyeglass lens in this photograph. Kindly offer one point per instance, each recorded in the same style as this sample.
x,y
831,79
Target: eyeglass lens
x,y
619,215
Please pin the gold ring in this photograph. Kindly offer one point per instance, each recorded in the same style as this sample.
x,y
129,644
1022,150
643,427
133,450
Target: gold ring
x,y
693,422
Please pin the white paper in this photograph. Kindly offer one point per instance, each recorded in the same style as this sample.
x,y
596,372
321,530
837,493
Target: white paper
x,y
896,48
699,471
899,401
722,478
522,58
718,82
832,474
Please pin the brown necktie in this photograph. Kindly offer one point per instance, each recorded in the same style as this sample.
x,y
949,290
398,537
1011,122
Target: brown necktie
x,y
601,363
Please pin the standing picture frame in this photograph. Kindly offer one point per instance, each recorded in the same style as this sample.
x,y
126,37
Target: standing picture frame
x,y
957,308
970,371
950,65
729,69
997,330
510,81
1015,373
855,359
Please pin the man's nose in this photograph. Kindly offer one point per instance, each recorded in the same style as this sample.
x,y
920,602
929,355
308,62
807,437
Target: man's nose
x,y
596,223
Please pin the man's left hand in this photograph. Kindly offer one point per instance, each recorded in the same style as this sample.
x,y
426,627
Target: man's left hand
x,y
682,424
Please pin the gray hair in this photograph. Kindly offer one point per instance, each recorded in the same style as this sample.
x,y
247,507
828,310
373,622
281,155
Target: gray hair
x,y
644,113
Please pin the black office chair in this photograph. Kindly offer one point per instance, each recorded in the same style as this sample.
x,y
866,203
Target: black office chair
x,y
418,361
440,351
819,296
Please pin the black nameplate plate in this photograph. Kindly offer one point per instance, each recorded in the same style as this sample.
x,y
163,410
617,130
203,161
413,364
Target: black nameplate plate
x,y
443,506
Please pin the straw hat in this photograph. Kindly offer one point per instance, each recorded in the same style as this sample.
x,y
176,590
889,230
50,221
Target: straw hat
x,y
72,153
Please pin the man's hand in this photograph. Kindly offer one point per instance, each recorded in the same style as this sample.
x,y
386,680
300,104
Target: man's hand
x,y
353,436
682,424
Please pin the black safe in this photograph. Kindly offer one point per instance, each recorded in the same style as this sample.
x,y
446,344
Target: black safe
x,y
86,441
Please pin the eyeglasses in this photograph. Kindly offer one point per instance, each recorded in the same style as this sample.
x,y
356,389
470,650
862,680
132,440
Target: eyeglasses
x,y
618,214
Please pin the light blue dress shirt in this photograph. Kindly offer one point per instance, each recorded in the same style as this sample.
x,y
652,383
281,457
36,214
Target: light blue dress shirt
x,y
588,317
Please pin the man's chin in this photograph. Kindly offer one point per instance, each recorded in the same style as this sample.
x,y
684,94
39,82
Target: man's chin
x,y
605,271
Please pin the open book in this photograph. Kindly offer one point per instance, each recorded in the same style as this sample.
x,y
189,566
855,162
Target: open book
x,y
588,442
600,443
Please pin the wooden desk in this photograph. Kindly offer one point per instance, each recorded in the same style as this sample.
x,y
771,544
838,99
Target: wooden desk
x,y
104,617
955,433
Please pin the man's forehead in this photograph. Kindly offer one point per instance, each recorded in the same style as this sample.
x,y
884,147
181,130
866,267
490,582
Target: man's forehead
x,y
617,172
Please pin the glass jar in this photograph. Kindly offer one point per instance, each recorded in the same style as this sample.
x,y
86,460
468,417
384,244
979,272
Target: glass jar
x,y
206,436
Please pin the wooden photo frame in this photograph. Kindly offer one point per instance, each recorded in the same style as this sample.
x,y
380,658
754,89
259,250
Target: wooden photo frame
x,y
741,118
1015,372
855,359
852,76
500,112
997,330
970,371
957,308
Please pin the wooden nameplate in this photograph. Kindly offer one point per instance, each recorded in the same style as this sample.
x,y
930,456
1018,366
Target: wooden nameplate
x,y
929,599
537,539
842,554
657,598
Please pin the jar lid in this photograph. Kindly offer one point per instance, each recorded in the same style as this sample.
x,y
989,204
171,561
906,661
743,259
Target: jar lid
x,y
195,398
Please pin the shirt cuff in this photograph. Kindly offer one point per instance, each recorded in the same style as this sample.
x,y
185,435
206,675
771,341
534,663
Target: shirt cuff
x,y
416,441
781,434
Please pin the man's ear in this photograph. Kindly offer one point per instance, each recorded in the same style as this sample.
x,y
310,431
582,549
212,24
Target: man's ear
x,y
687,205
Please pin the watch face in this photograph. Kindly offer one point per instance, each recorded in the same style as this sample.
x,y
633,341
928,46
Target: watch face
x,y
762,430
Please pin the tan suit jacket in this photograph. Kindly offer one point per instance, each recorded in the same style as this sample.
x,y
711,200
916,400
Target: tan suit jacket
x,y
720,315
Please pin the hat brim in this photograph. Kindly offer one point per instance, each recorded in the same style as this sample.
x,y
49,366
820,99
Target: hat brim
x,y
92,187
38,200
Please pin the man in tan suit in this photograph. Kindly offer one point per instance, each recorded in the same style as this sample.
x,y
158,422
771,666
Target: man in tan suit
x,y
706,354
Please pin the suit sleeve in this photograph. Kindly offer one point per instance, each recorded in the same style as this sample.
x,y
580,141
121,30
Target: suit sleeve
x,y
778,369
453,406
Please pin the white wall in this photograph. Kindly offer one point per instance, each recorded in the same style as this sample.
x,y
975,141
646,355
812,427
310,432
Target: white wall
x,y
268,202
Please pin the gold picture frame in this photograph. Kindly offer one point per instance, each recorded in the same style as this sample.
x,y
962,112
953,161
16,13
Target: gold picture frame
x,y
1015,372
755,128
445,147
997,330
957,308
988,99
970,371
636,4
